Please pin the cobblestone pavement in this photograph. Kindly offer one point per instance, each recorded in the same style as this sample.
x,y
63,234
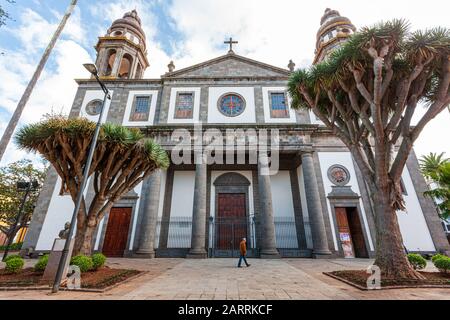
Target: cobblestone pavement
x,y
220,279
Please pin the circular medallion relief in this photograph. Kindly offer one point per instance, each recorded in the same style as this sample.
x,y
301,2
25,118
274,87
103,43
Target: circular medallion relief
x,y
231,104
94,107
338,175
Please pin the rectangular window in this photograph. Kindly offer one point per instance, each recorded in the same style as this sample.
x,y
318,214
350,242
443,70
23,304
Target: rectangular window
x,y
141,108
278,105
184,105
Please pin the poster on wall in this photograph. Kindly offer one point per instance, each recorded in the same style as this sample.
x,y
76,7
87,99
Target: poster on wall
x,y
347,246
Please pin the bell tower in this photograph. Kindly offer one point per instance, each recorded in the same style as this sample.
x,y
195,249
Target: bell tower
x,y
334,30
122,52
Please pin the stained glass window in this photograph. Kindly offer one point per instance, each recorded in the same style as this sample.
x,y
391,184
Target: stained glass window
x,y
184,105
278,106
231,105
141,108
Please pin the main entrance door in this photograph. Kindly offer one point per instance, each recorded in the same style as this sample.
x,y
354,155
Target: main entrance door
x,y
116,235
231,224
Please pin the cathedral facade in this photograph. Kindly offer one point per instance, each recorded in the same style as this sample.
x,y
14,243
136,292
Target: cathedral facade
x,y
315,204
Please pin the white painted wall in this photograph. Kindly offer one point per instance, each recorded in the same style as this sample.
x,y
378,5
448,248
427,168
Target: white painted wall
x,y
94,95
301,184
138,190
196,109
249,114
181,207
283,210
266,105
59,212
314,119
414,229
283,205
327,159
154,98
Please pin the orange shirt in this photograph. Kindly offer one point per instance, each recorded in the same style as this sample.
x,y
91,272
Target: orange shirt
x,y
243,248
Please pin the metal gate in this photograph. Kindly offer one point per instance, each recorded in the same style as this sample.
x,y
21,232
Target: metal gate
x,y
226,235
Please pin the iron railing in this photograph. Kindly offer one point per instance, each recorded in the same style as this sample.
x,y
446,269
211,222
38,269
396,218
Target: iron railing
x,y
226,234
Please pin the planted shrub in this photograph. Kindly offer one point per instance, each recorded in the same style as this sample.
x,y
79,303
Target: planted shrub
x,y
14,265
442,264
99,260
437,256
13,247
41,264
13,256
417,261
83,262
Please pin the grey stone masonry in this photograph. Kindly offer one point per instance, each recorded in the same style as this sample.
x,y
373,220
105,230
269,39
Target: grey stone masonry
x,y
299,223
319,235
428,208
268,240
150,217
199,210
40,211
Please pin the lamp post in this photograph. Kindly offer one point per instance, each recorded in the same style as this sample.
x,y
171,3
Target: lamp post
x,y
65,253
21,186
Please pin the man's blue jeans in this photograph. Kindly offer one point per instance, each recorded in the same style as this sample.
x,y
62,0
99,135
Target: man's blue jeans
x,y
240,261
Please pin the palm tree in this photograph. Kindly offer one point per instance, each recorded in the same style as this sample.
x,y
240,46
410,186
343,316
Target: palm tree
x,y
29,89
366,93
431,163
123,158
437,169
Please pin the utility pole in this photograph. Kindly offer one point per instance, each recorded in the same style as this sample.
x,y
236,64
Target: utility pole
x,y
26,95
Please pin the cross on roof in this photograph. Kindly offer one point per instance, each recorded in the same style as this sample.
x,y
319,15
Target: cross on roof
x,y
231,42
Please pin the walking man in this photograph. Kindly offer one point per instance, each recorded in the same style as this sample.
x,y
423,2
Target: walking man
x,y
243,249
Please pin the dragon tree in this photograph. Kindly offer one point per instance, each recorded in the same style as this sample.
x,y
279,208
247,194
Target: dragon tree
x,y
367,92
123,158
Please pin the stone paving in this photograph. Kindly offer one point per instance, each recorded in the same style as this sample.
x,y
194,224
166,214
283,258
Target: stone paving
x,y
184,279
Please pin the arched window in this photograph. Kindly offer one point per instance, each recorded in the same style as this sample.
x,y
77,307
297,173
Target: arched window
x,y
110,62
125,67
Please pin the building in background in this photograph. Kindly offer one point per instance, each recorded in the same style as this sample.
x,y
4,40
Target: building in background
x,y
317,205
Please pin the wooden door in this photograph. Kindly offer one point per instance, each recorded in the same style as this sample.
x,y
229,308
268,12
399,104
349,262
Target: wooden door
x,y
116,235
344,232
359,244
231,220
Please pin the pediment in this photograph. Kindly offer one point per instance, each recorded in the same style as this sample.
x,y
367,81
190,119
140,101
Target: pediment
x,y
229,66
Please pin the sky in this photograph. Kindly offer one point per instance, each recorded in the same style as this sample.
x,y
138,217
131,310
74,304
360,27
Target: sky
x,y
187,32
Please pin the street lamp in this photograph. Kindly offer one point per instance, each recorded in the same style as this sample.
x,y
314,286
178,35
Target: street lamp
x,y
65,253
26,187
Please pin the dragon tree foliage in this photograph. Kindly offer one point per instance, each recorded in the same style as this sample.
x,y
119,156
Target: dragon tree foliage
x,y
123,158
367,92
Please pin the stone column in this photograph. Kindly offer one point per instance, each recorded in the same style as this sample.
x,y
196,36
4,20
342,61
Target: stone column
x,y
319,234
150,217
268,240
199,211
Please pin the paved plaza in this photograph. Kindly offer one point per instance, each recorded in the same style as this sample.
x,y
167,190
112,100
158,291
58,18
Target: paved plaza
x,y
182,279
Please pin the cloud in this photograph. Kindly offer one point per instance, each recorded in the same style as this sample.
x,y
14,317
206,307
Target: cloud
x,y
109,12
55,89
272,32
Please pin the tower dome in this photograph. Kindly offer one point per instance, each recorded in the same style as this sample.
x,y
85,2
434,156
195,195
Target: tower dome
x,y
122,52
334,30
129,26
